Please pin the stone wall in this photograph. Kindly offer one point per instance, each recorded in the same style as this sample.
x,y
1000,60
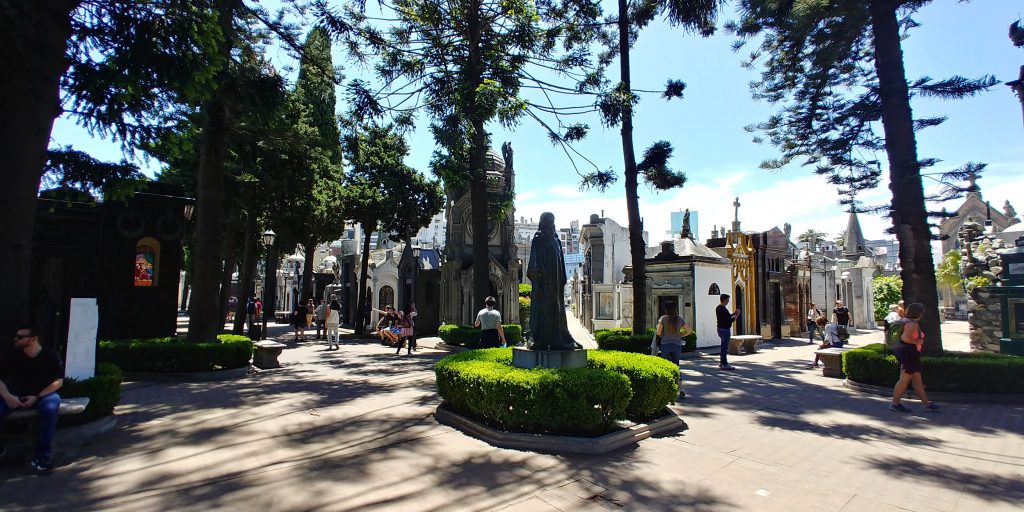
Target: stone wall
x,y
985,319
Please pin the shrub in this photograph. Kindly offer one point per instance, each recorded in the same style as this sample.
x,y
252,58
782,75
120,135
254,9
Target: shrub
x,y
177,355
524,290
524,312
975,372
579,401
469,337
103,391
637,344
654,381
887,290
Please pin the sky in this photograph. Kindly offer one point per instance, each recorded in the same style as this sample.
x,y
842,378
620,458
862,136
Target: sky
x,y
720,159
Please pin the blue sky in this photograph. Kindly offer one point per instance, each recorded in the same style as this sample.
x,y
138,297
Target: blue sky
x,y
718,156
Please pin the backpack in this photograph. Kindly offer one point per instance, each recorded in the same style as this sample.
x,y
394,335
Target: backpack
x,y
894,336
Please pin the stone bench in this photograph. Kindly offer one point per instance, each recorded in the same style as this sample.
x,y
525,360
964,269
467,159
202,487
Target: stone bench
x,y
267,352
832,359
747,341
68,406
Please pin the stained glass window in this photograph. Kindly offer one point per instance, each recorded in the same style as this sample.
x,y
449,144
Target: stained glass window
x,y
147,262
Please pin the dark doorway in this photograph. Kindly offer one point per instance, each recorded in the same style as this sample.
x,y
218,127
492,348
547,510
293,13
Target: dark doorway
x,y
738,303
776,309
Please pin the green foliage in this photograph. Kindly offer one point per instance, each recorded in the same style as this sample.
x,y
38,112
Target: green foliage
x,y
177,355
524,311
525,290
655,381
948,273
976,281
641,344
975,372
469,337
887,290
67,168
103,391
579,401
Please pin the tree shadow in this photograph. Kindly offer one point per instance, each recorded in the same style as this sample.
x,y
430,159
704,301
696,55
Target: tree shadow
x,y
988,486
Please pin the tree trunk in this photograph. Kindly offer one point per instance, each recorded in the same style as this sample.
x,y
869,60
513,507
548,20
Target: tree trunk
x,y
477,167
307,271
364,267
246,277
909,216
637,246
230,264
33,41
203,324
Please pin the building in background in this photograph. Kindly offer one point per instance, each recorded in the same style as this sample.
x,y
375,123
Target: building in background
x,y
886,254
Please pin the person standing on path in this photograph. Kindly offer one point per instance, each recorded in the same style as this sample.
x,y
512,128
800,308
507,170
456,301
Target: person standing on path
x,y
813,315
892,317
841,317
725,320
489,322
672,328
407,325
310,313
250,312
29,379
321,317
908,354
332,319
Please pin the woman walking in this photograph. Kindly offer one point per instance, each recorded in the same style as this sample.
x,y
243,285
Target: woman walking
x,y
332,320
310,313
672,328
908,353
408,326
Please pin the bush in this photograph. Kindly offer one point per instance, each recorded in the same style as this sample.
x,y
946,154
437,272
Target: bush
x,y
579,401
623,341
103,391
469,337
887,290
959,372
177,355
524,312
524,290
654,381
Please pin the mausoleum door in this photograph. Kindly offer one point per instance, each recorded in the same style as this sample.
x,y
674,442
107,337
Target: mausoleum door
x,y
740,302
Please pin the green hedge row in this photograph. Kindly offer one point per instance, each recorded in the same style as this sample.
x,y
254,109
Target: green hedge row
x,y
622,339
103,391
469,337
581,401
177,355
959,372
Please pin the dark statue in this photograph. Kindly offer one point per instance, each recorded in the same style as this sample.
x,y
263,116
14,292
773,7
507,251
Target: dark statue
x,y
548,328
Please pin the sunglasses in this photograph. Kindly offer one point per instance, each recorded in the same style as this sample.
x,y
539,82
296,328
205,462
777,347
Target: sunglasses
x,y
22,336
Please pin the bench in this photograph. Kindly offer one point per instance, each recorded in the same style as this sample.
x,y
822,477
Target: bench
x,y
266,354
747,341
68,406
832,359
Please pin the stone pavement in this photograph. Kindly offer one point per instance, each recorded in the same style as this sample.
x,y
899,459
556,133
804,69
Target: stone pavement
x,y
352,430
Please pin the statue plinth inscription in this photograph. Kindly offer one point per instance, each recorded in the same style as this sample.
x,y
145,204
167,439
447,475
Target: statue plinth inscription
x,y
553,346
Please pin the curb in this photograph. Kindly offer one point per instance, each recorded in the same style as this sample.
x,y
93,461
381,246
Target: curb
x,y
559,444
938,396
231,373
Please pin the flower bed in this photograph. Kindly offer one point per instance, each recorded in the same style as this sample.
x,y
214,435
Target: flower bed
x,y
176,354
960,372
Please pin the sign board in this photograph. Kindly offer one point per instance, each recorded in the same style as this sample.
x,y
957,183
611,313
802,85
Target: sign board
x,y
1016,269
81,353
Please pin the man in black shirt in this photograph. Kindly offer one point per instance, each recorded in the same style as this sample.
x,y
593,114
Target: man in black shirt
x,y
29,378
725,320
841,317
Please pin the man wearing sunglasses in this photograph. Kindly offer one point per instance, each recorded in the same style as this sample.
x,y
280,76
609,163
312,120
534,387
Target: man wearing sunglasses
x,y
29,378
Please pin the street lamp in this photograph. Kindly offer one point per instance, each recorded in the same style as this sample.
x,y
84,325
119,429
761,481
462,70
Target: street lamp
x,y
269,280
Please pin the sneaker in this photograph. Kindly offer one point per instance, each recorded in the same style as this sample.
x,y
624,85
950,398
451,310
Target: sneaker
x,y
41,464
931,407
899,408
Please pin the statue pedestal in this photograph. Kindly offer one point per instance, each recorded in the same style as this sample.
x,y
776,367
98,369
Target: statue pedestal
x,y
525,358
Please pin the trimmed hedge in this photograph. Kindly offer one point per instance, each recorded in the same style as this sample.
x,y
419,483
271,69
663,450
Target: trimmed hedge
x,y
525,290
580,401
622,339
177,355
958,372
103,390
469,337
654,381
524,311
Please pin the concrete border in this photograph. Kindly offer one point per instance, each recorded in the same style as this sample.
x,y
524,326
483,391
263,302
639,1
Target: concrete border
x,y
231,373
939,396
559,444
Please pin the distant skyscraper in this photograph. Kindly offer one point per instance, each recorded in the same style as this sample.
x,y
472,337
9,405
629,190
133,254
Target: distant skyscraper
x,y
677,223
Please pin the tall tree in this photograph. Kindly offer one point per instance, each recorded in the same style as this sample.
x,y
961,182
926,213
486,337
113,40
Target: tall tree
x,y
118,64
837,66
812,237
616,107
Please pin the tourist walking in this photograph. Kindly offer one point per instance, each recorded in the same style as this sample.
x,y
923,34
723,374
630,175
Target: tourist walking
x,y
672,328
299,321
841,317
259,309
908,354
813,314
250,312
488,320
310,313
725,320
408,325
321,316
332,319
232,306
30,376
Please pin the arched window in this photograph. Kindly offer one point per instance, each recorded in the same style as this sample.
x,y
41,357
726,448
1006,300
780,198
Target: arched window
x,y
714,290
386,297
147,262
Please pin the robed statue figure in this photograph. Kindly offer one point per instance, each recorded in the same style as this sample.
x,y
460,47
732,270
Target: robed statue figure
x,y
548,328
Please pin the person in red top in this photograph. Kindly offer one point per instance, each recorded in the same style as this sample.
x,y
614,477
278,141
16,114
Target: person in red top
x,y
259,309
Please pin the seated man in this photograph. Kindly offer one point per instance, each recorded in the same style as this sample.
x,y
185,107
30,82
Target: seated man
x,y
29,378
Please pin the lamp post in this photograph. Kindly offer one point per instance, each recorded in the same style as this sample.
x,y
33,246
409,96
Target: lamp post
x,y
269,280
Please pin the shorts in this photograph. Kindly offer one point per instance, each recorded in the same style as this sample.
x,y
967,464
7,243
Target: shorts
x,y
396,330
909,358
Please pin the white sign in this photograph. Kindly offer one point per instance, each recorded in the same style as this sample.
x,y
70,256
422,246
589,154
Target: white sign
x,y
1016,268
82,324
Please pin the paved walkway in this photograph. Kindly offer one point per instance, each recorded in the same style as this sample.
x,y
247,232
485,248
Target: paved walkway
x,y
352,430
